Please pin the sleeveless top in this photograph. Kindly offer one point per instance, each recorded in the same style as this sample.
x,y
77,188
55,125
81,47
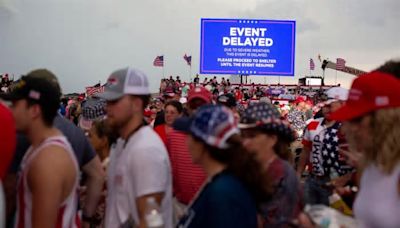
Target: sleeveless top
x,y
67,212
378,201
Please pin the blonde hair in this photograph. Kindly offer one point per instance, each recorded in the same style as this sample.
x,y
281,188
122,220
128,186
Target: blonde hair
x,y
385,149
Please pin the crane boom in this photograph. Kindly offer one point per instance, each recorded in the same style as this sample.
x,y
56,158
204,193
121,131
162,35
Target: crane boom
x,y
347,69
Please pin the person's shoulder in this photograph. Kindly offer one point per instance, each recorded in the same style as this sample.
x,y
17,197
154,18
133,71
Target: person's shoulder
x,y
69,129
288,168
313,124
178,134
145,135
226,185
229,192
54,156
159,128
146,140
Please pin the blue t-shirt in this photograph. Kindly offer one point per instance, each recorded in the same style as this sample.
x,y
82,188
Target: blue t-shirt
x,y
223,202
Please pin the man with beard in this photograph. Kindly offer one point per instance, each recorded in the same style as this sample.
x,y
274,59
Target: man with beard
x,y
139,167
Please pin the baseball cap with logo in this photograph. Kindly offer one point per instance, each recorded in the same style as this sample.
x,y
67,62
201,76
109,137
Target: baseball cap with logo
x,y
124,82
370,92
213,124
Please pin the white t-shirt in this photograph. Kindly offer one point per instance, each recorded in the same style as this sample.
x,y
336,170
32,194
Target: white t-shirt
x,y
313,137
378,201
141,167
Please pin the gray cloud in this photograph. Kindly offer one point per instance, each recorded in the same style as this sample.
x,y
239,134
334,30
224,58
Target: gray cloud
x,y
83,41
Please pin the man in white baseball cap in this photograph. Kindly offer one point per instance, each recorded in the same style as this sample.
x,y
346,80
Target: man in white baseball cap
x,y
337,94
321,147
139,166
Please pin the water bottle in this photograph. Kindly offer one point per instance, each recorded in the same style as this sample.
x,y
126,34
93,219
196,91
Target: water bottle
x,y
153,215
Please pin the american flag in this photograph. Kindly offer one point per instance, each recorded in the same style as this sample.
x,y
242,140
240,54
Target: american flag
x,y
188,59
340,64
312,65
92,90
159,61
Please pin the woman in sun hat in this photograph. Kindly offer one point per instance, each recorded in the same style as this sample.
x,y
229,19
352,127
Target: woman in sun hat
x,y
228,197
371,123
269,138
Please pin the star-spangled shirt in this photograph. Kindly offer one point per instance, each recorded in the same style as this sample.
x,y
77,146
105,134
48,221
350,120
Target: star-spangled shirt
x,y
330,151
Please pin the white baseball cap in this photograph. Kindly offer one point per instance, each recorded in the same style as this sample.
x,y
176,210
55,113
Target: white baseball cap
x,y
337,94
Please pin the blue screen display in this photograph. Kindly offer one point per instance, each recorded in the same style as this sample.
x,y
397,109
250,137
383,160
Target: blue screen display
x,y
252,47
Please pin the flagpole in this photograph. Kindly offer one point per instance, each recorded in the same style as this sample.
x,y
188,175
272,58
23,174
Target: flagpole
x,y
163,67
190,73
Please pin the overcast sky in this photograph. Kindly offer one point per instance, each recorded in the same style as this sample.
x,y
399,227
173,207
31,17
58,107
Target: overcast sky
x,y
83,41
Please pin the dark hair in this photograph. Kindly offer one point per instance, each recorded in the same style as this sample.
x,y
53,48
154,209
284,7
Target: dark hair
x,y
282,146
390,67
104,130
176,104
49,111
244,166
282,149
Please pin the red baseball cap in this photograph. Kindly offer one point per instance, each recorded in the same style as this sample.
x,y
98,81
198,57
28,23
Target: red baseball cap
x,y
7,139
369,92
200,92
299,100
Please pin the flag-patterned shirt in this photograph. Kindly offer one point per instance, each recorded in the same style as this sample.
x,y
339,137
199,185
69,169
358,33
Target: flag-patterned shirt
x,y
330,151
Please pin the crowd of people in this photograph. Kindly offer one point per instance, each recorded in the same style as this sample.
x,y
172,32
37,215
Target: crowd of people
x,y
201,154
5,82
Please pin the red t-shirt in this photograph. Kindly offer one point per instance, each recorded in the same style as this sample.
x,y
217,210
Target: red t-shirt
x,y
187,177
238,95
7,139
160,130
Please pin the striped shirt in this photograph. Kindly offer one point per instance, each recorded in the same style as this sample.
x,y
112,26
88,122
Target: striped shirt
x,y
187,177
67,212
